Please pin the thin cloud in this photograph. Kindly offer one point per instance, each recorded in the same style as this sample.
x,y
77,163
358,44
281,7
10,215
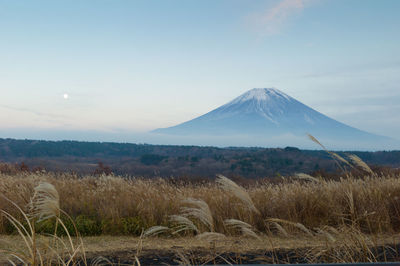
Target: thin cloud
x,y
273,19
54,116
355,69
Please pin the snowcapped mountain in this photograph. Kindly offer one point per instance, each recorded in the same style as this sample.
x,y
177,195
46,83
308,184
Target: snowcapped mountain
x,y
269,113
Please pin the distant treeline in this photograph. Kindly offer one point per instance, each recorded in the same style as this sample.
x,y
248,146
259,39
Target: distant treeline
x,y
175,161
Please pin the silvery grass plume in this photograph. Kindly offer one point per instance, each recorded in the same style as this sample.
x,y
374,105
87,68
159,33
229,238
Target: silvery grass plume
x,y
155,230
306,177
45,202
299,226
183,224
201,211
360,163
230,186
336,157
280,229
43,205
243,227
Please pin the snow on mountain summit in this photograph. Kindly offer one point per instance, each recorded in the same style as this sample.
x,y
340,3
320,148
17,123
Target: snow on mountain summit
x,y
261,95
269,103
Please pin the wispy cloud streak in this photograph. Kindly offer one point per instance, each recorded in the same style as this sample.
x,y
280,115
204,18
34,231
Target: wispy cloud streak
x,y
54,116
273,19
352,70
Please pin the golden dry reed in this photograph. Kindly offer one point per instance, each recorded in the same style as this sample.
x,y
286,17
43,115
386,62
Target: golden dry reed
x,y
118,206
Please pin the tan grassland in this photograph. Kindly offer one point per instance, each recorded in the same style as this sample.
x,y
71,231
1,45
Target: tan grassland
x,y
347,220
115,205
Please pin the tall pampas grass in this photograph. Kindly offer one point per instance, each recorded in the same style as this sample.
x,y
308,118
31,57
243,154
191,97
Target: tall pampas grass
x,y
183,224
233,188
44,205
336,157
361,164
299,226
156,230
200,211
280,229
245,228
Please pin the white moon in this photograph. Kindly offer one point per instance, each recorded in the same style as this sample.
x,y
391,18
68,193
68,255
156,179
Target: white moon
x,y
66,96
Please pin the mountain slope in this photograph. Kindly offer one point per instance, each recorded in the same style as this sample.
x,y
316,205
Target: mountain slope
x,y
268,113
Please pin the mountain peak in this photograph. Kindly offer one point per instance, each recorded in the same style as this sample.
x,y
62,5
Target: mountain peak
x,y
262,94
269,113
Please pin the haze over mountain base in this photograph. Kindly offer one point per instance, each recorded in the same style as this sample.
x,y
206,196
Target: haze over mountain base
x,y
266,141
302,142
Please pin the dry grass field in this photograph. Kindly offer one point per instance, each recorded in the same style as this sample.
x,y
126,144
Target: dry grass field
x,y
301,219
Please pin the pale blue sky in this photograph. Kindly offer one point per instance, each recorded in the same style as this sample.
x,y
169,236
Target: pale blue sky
x,y
133,66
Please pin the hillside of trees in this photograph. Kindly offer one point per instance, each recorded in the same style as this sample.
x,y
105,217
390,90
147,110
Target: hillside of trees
x,y
175,161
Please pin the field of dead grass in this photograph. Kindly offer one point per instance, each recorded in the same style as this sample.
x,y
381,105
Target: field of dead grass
x,y
111,205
